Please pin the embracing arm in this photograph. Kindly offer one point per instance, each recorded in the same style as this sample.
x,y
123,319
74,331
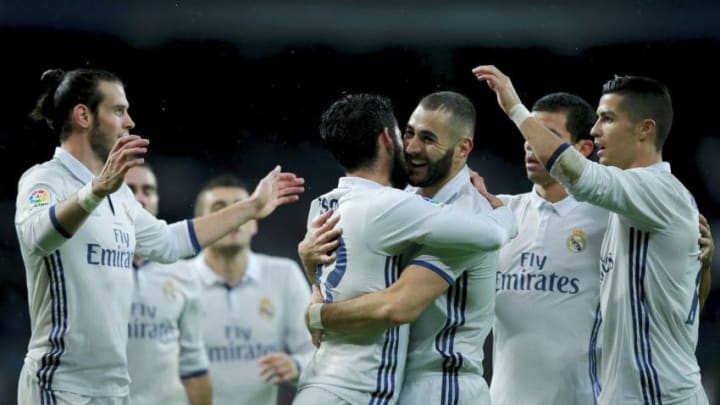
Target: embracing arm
x,y
400,303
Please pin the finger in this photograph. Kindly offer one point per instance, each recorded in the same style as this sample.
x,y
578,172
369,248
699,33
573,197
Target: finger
x,y
284,191
122,141
320,220
704,221
329,225
286,200
330,246
329,236
135,162
132,151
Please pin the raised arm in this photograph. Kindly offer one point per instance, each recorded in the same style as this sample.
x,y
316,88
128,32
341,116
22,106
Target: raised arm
x,y
275,189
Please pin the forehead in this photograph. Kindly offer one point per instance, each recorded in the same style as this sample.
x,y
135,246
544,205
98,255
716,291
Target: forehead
x,y
555,121
224,194
113,93
435,121
610,103
141,176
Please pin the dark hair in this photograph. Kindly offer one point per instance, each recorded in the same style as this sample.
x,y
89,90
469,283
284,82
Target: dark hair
x,y
580,115
644,97
222,180
459,106
62,91
349,128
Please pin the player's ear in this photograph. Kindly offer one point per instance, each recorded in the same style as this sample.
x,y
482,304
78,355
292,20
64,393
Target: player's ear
x,y
464,147
585,146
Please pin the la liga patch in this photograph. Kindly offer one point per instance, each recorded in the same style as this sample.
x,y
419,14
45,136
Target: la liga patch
x,y
39,198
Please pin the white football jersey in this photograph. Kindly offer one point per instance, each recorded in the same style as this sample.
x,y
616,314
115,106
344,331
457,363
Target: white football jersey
x,y
547,296
379,225
446,339
80,286
649,278
263,314
164,333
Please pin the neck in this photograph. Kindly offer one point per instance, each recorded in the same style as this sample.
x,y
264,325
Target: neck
x,y
646,159
371,174
552,192
78,146
231,267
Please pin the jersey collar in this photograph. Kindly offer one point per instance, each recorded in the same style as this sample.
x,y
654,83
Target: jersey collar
x,y
450,190
79,170
562,207
210,278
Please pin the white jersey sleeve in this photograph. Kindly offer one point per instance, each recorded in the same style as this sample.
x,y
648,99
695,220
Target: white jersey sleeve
x,y
297,343
38,192
426,223
161,242
650,200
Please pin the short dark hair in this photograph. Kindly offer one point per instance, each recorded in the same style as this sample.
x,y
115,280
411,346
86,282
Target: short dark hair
x,y
580,114
349,128
62,91
221,180
459,106
644,97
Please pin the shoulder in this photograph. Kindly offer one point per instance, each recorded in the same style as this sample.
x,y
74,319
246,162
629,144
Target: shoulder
x,y
51,173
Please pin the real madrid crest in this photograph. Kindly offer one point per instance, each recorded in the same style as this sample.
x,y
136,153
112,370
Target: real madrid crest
x,y
266,309
576,242
169,290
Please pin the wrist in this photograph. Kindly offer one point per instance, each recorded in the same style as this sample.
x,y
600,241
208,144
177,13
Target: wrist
x,y
315,316
87,198
518,114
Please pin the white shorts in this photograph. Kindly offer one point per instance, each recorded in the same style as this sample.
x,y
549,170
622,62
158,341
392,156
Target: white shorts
x,y
467,389
316,395
30,393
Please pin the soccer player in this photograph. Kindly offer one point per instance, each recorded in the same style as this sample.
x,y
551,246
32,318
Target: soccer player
x,y
380,224
548,281
78,228
253,307
166,357
649,268
449,296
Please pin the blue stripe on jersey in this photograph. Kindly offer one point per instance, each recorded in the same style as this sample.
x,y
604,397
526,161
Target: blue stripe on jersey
x,y
456,300
56,224
51,359
386,375
692,315
551,162
592,353
193,236
637,257
338,271
434,269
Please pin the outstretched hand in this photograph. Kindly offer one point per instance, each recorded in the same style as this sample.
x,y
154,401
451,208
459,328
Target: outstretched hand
x,y
507,97
275,189
122,157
